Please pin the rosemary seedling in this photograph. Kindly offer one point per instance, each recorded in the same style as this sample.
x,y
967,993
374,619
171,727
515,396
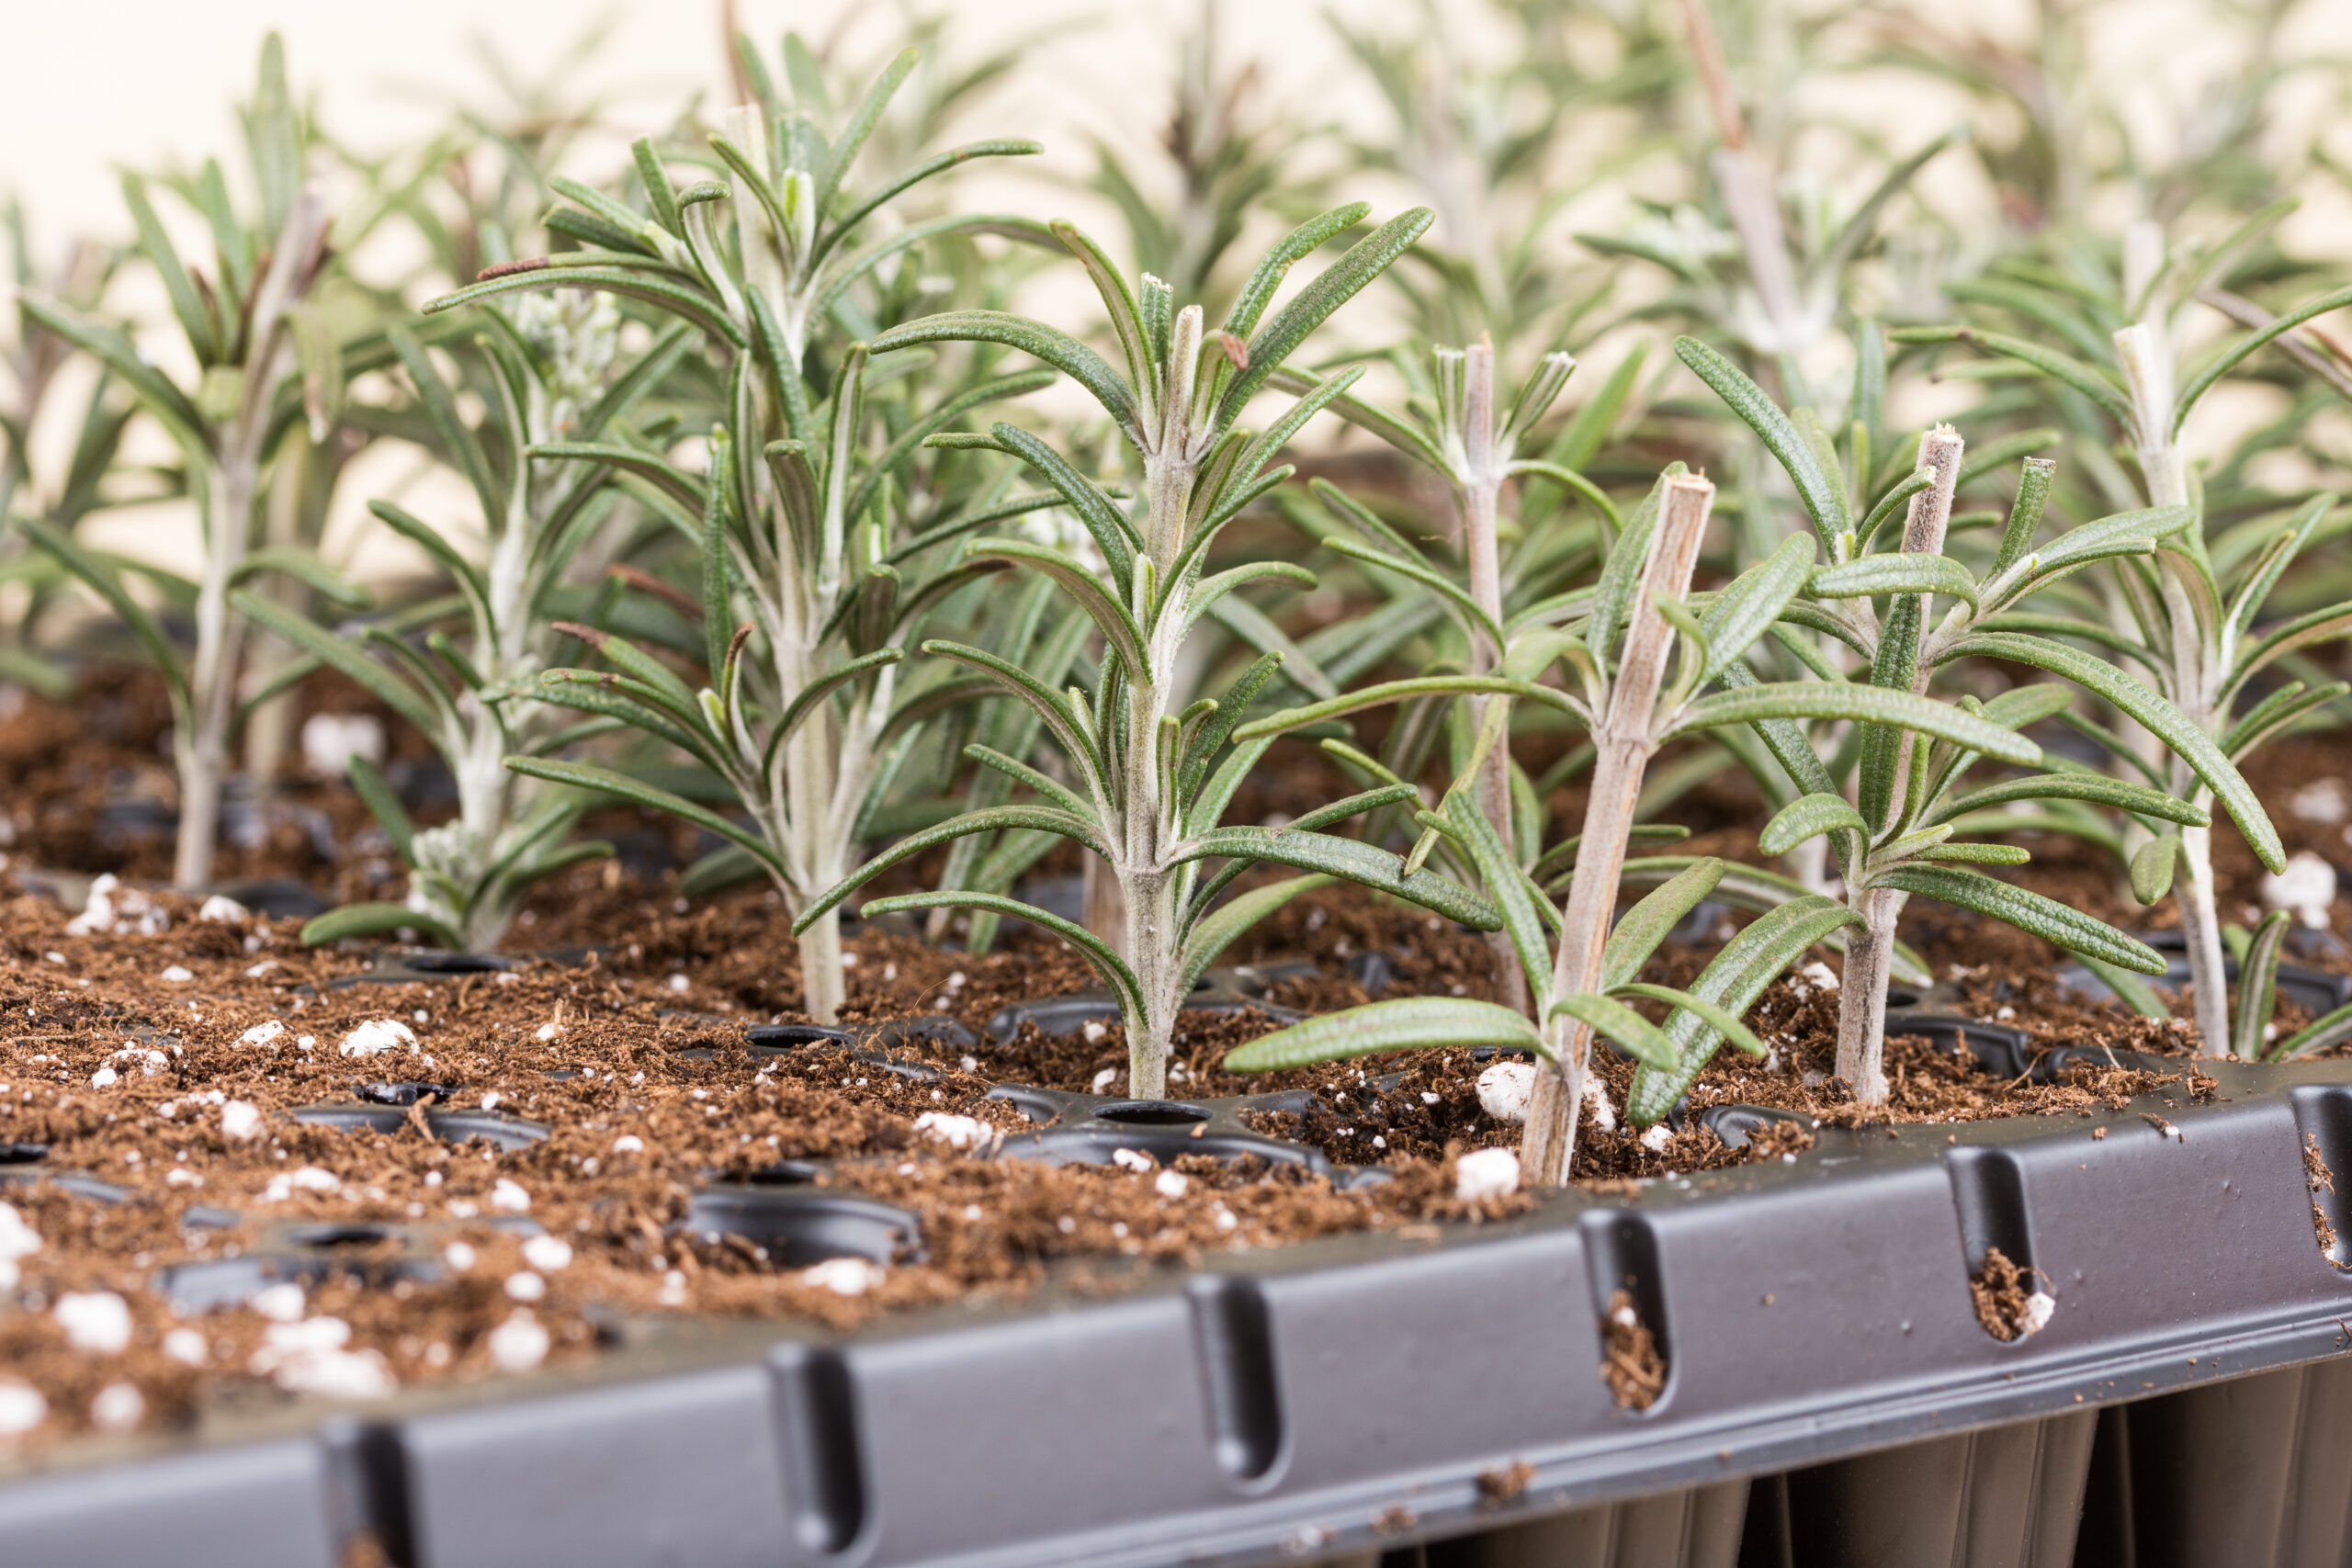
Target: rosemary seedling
x,y
1474,443
1894,836
550,371
60,497
792,515
2188,614
1150,779
1619,653
265,363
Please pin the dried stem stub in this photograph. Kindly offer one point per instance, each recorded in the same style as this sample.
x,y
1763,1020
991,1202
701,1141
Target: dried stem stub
x,y
1625,743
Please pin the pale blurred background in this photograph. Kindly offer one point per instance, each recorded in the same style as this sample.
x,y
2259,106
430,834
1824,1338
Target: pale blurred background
x,y
104,82
108,84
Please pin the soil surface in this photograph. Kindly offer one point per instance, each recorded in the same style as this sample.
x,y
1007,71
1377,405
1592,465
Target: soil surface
x,y
186,1234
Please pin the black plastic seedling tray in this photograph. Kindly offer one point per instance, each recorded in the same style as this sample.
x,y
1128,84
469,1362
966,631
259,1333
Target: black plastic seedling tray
x,y
1350,1398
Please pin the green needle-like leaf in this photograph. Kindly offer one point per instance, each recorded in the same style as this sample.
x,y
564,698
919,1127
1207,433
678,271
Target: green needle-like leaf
x,y
346,655
2132,989
687,302
1401,691
1807,816
2097,788
108,585
1409,1024
1859,704
1746,610
605,780
995,820
1105,964
1614,1021
1361,863
2190,744
1721,1019
1875,575
2096,384
2237,353
1339,283
374,919
1646,924
1055,347
1220,927
2320,1034
2258,987
1258,293
1824,500
375,791
2061,925
1514,897
2152,864
1085,590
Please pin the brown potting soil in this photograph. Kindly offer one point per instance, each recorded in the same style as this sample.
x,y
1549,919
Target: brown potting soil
x,y
1507,1484
2319,1179
123,1053
1630,1363
2003,1294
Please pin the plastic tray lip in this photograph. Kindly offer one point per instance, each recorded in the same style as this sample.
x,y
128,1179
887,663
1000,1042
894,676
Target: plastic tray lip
x,y
1584,1465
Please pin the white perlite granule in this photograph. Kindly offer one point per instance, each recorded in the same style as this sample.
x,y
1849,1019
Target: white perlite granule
x,y
309,1357
119,1408
281,1303
843,1276
1486,1173
97,1321
956,1131
18,1239
377,1036
549,1254
1504,1089
519,1343
21,1409
330,740
1596,1098
307,1178
2307,887
2324,802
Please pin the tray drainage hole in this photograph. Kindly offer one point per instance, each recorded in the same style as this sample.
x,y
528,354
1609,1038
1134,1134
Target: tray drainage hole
x,y
784,1173
341,1235
405,1094
1899,996
792,1036
2011,1302
1151,1113
457,963
23,1154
